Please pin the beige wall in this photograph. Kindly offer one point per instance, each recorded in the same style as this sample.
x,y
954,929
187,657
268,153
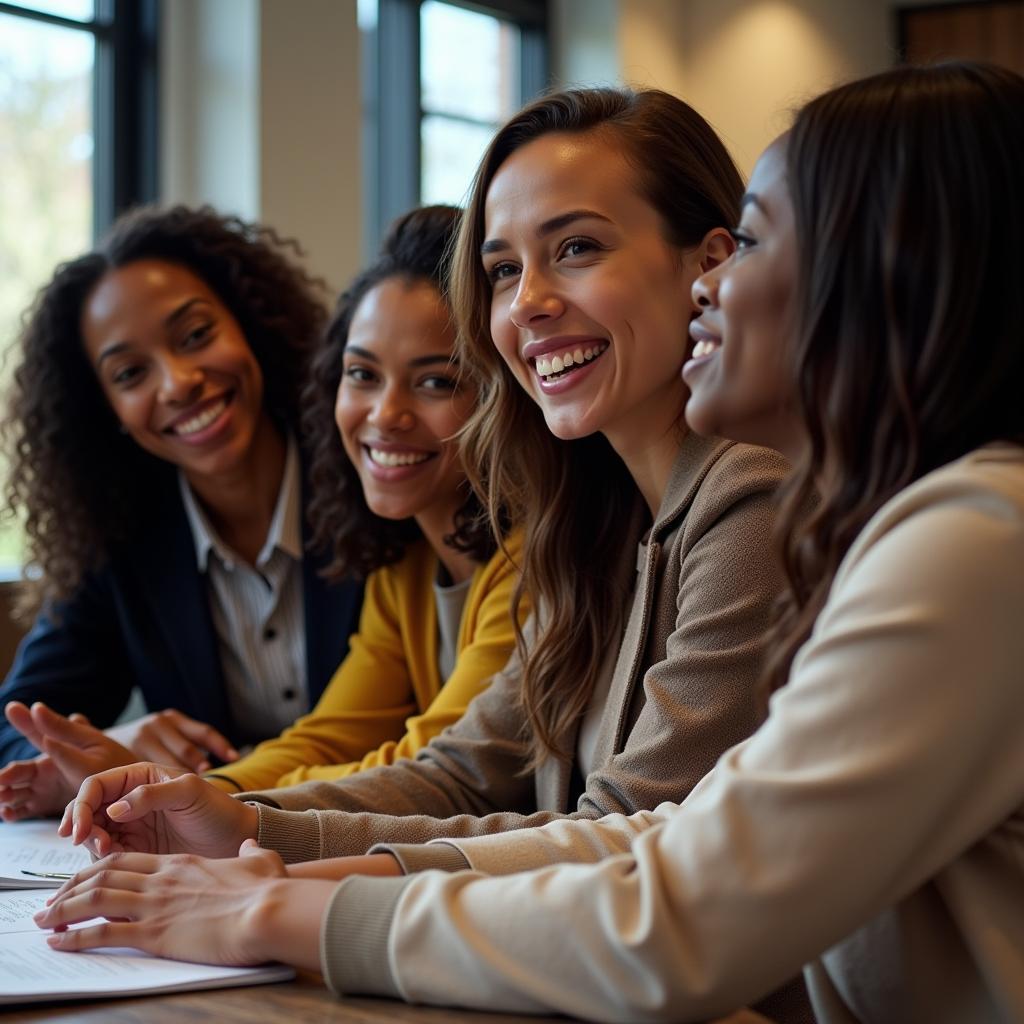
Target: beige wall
x,y
260,116
744,64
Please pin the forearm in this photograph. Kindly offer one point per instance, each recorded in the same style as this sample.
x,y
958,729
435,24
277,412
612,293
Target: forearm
x,y
337,868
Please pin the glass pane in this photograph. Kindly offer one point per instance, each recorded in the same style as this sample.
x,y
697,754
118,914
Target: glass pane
x,y
46,145
449,155
469,63
79,10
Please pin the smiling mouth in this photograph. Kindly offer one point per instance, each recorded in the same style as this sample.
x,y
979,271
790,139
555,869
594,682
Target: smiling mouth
x,y
553,367
195,424
391,459
705,347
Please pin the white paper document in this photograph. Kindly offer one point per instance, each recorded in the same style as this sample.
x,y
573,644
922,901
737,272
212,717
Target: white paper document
x,y
35,847
32,972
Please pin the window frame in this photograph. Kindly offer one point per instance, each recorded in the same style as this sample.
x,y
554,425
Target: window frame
x,y
125,101
393,111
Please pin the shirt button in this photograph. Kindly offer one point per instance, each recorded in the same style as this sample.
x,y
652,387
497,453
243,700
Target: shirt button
x,y
289,694
269,633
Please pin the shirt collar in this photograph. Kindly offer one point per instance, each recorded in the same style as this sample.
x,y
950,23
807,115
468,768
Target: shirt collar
x,y
285,531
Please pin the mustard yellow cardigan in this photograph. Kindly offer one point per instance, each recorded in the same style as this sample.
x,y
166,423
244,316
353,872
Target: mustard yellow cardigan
x,y
387,698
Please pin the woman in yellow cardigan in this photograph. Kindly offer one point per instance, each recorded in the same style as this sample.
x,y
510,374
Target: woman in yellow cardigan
x,y
391,502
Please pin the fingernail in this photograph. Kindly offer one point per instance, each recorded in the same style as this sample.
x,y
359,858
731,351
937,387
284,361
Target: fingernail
x,y
56,940
203,766
233,754
120,808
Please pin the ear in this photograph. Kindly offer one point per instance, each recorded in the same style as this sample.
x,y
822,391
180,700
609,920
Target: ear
x,y
716,247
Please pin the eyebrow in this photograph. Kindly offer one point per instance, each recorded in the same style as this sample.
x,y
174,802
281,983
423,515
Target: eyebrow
x,y
418,361
169,321
553,224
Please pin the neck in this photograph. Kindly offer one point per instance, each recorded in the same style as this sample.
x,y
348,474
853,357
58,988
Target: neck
x,y
435,527
649,449
240,503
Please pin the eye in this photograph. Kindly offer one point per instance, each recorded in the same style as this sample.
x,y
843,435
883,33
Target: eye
x,y
742,239
439,382
126,376
197,336
359,375
578,246
501,271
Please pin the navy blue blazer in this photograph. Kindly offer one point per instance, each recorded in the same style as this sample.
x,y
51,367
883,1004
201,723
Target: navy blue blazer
x,y
144,620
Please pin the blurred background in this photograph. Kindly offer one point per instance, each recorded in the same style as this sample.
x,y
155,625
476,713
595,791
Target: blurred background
x,y
326,118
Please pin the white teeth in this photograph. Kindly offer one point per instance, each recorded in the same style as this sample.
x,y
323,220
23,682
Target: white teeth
x,y
704,348
573,357
201,421
383,458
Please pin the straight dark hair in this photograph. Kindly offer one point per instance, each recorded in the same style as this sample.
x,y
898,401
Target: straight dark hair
x,y
909,218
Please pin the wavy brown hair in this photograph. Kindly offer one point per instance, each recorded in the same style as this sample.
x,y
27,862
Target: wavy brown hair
x,y
80,484
416,249
909,219
573,498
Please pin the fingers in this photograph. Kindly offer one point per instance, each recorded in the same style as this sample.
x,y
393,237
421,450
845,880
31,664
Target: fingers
x,y
108,935
110,872
18,773
172,737
76,731
175,795
73,763
20,717
206,737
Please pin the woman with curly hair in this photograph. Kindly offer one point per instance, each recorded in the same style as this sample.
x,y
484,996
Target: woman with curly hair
x,y
390,502
152,439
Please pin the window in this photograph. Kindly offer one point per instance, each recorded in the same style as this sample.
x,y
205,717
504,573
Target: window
x,y
441,76
77,145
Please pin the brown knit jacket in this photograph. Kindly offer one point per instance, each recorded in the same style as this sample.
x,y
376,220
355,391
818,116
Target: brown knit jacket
x,y
683,689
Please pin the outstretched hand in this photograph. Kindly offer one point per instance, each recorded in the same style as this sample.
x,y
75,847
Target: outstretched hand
x,y
72,750
151,808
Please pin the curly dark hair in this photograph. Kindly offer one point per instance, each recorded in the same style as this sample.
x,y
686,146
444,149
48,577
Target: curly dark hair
x,y
80,484
416,248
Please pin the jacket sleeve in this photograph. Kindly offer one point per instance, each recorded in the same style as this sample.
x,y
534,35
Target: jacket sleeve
x,y
72,660
701,696
862,785
488,642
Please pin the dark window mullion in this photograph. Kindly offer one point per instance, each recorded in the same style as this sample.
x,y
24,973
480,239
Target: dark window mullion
x,y
94,26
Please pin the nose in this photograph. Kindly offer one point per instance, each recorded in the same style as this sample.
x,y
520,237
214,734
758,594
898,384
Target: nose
x,y
180,380
535,300
705,289
391,410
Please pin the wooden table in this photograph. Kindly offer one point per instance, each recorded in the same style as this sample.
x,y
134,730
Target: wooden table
x,y
303,1000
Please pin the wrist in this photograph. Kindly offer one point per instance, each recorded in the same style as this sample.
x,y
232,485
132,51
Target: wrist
x,y
283,922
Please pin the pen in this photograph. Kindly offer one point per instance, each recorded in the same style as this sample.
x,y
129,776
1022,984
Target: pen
x,y
58,875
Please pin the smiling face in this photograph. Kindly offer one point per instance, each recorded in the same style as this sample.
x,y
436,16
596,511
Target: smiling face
x,y
740,381
175,366
398,404
590,302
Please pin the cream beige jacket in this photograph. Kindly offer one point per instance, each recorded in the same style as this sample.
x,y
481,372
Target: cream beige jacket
x,y
872,828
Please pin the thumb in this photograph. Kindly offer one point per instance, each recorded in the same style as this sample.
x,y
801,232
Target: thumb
x,y
20,717
180,794
249,848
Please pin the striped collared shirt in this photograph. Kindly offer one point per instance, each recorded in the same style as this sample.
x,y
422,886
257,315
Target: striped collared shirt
x,y
258,613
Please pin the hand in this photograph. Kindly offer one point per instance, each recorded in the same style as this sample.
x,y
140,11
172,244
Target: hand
x,y
152,808
72,750
183,907
172,738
